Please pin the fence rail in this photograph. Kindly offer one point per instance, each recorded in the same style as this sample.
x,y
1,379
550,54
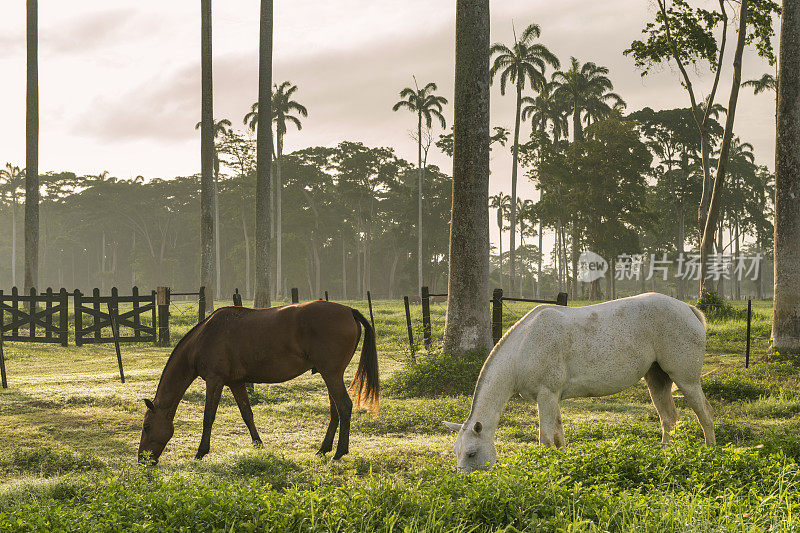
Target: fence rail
x,y
34,318
101,328
497,313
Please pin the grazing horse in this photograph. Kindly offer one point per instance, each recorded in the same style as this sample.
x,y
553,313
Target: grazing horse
x,y
237,345
557,352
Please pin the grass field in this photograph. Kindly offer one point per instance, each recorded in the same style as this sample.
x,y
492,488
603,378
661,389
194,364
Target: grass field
x,y
70,431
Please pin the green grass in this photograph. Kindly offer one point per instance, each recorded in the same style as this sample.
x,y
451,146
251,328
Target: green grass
x,y
71,431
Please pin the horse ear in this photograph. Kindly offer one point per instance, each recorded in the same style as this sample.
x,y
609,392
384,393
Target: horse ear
x,y
149,404
452,425
478,427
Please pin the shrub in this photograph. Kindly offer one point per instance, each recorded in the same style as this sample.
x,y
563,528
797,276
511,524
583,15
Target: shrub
x,y
715,307
437,374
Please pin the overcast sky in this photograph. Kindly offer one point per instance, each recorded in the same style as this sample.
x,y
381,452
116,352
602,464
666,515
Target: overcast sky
x,y
120,81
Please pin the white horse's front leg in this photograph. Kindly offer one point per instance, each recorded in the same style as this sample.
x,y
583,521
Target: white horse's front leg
x,y
559,434
547,402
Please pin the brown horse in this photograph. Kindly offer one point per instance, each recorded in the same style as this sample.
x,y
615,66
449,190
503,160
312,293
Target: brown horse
x,y
237,345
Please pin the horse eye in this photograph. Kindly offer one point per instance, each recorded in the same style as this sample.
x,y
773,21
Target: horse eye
x,y
472,454
147,427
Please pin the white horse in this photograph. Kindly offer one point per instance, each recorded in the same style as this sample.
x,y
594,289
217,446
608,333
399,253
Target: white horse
x,y
557,352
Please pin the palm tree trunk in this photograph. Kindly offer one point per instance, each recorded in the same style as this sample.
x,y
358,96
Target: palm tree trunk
x,y
264,159
419,199
539,260
500,257
206,158
577,127
247,293
467,326
133,262
786,308
515,151
14,243
216,227
103,264
32,149
344,267
279,229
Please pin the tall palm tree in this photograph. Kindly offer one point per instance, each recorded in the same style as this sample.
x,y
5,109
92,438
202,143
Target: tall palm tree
x,y
12,177
786,308
206,155
263,157
587,89
524,63
467,326
426,105
32,148
282,108
502,203
221,128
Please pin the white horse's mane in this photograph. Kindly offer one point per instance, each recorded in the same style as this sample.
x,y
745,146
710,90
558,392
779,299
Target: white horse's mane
x,y
482,376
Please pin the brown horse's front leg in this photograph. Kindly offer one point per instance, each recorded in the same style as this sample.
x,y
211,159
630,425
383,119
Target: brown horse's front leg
x,y
327,442
213,394
243,401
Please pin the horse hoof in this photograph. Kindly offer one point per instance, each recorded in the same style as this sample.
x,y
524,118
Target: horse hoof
x,y
339,455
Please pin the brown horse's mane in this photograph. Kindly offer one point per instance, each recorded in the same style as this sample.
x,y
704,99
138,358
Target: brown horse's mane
x,y
180,343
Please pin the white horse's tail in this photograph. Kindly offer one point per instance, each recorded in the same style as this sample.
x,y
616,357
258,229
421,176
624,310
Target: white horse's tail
x,y
699,314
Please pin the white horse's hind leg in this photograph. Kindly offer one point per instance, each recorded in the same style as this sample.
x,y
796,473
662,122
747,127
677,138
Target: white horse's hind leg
x,y
547,402
660,385
697,401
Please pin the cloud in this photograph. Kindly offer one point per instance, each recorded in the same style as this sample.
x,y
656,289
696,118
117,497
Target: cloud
x,y
86,33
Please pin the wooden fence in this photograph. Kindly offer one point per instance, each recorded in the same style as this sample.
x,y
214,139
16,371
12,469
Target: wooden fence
x,y
497,314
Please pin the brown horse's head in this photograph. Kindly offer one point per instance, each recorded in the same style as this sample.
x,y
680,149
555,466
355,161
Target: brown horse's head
x,y
156,432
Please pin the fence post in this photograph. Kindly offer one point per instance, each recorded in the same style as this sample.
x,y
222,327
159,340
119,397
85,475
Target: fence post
x,y
2,360
48,306
64,317
561,299
15,312
32,310
426,316
371,318
162,300
201,305
78,306
113,314
295,296
326,296
137,320
410,333
497,315
747,352
237,298
96,306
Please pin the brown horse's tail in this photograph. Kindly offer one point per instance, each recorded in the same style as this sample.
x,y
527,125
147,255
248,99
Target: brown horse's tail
x,y
366,383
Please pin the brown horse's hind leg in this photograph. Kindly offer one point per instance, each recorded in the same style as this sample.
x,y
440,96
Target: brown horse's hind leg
x,y
213,393
327,442
344,405
240,395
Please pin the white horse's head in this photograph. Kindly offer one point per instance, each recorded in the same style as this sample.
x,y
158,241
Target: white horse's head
x,y
474,448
